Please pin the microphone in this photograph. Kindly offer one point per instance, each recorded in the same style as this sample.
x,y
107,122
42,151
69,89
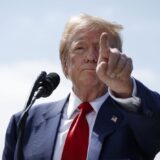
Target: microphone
x,y
43,86
48,85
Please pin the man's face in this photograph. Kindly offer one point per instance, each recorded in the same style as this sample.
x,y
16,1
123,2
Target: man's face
x,y
82,58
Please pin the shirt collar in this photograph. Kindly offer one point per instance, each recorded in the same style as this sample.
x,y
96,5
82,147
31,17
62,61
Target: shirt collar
x,y
74,102
97,103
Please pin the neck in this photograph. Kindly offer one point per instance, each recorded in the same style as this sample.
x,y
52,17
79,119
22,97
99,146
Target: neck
x,y
87,94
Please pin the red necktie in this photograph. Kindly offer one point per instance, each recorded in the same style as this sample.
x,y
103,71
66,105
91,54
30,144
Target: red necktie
x,y
76,144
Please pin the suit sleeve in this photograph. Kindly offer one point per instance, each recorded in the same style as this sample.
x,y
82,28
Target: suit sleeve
x,y
10,140
145,124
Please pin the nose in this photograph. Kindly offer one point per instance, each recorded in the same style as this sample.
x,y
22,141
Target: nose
x,y
92,55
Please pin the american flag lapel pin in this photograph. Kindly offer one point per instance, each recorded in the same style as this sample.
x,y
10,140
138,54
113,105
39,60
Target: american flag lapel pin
x,y
114,118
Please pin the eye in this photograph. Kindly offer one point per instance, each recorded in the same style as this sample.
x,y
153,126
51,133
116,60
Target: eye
x,y
79,47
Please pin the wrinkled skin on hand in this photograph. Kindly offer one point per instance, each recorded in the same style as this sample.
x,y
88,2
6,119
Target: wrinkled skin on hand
x,y
114,69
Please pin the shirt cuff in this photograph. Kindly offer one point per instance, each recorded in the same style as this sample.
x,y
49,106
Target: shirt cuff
x,y
131,103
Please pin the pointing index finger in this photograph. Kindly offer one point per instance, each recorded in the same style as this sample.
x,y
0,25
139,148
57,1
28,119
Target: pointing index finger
x,y
104,46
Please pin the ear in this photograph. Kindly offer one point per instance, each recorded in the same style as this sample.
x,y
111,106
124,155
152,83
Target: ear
x,y
65,68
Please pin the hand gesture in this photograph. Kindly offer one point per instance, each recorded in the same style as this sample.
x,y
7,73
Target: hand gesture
x,y
114,68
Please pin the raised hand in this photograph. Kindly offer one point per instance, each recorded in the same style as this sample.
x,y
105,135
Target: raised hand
x,y
114,68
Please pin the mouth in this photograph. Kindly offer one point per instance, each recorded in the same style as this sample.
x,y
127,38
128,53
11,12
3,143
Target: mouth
x,y
90,69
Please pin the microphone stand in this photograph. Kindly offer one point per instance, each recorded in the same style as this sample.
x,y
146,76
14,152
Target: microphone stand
x,y
23,118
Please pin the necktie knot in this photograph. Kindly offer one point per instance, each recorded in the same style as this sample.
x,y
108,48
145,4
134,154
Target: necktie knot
x,y
85,107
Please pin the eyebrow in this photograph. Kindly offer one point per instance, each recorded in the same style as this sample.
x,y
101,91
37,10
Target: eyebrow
x,y
79,41
82,40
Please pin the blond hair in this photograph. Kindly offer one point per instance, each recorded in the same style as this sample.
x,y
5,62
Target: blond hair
x,y
82,21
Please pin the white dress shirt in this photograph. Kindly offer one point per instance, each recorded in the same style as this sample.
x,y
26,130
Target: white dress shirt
x,y
71,110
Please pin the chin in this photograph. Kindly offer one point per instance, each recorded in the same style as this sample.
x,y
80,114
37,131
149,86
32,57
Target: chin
x,y
91,80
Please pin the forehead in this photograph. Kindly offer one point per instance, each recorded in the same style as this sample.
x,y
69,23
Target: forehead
x,y
86,35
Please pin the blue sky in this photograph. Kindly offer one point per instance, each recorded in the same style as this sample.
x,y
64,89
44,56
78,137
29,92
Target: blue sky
x,y
30,32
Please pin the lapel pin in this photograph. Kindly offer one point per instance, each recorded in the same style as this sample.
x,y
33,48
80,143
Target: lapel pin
x,y
114,119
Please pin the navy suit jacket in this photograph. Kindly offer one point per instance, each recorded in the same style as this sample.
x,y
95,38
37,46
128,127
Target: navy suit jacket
x,y
117,134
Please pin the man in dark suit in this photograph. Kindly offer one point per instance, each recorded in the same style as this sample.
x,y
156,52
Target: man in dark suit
x,y
123,118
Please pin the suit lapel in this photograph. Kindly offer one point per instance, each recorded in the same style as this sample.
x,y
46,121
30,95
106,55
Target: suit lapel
x,y
45,131
54,116
52,111
107,121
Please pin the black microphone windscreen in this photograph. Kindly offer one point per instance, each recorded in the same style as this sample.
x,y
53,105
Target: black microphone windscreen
x,y
54,78
51,82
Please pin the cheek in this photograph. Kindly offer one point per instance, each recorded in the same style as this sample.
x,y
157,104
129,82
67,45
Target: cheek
x,y
75,61
71,65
